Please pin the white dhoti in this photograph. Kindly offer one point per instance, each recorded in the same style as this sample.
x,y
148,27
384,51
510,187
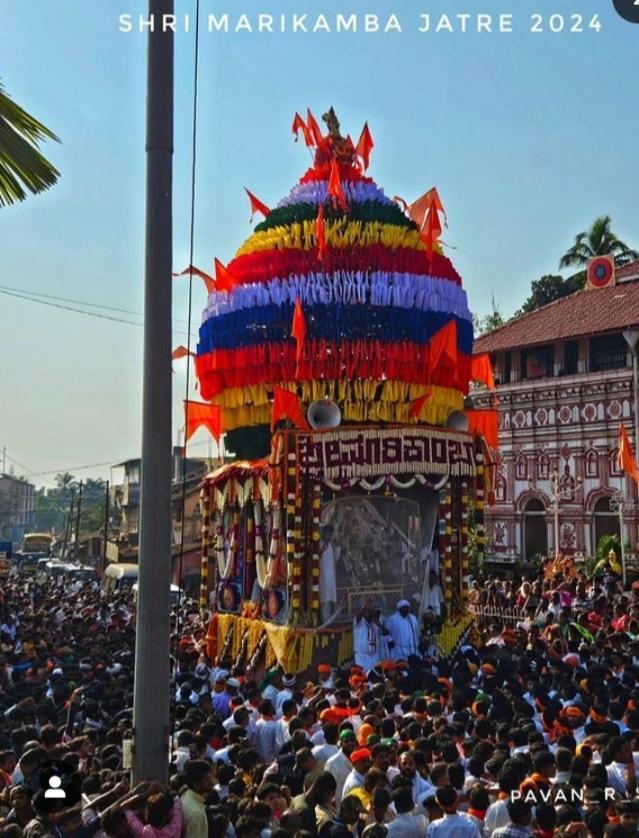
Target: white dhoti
x,y
366,644
327,583
405,635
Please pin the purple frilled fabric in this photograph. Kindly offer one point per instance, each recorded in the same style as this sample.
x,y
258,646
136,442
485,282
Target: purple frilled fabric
x,y
316,192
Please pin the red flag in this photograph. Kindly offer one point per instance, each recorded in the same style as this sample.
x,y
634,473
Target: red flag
x,y
286,405
484,423
314,129
256,205
298,330
224,279
416,406
425,213
208,280
365,145
300,125
626,459
335,186
443,346
482,370
181,352
320,232
199,414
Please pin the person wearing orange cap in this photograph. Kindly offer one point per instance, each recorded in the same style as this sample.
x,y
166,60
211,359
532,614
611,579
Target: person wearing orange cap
x,y
361,762
325,676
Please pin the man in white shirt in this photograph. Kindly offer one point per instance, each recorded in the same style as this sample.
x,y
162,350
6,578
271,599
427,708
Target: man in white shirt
x,y
406,824
340,765
621,771
265,733
329,747
361,761
327,579
288,684
289,710
367,639
453,824
421,787
404,632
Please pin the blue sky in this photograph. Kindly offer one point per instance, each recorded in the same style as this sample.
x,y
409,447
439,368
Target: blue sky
x,y
527,136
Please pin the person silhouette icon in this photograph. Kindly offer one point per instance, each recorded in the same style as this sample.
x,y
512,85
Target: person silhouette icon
x,y
54,792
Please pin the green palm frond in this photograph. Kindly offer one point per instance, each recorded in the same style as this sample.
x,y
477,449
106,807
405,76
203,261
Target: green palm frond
x,y
599,240
23,168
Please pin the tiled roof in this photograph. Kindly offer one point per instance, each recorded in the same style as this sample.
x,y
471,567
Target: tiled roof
x,y
587,312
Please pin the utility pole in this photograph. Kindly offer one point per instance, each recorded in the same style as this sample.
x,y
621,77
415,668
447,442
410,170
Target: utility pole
x,y
4,459
67,527
106,529
151,698
76,543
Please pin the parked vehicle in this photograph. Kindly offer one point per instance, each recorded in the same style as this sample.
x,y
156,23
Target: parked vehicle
x,y
82,572
176,595
119,576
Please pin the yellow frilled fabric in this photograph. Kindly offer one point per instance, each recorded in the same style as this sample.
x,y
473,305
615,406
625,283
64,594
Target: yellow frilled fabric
x,y
359,401
341,233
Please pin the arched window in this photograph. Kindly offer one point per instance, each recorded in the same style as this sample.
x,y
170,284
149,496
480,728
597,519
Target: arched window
x,y
591,463
521,467
500,488
605,519
544,466
614,465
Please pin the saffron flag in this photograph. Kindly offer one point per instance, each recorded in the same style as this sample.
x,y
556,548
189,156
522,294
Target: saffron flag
x,y
443,346
482,370
298,330
314,129
320,232
208,280
256,205
224,279
181,352
286,405
416,406
365,145
200,414
425,213
484,423
335,186
300,125
626,459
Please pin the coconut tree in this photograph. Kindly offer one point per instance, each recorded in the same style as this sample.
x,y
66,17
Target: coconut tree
x,y
23,168
599,240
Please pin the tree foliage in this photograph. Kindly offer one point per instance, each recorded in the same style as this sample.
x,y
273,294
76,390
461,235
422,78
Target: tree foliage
x,y
489,322
549,288
23,167
53,506
599,240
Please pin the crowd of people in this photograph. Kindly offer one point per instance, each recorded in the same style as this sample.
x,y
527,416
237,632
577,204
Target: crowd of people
x,y
531,729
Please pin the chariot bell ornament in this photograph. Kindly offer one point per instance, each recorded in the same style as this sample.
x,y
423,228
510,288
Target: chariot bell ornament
x,y
324,414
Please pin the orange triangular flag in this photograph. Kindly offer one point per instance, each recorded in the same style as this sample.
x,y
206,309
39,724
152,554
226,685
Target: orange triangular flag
x,y
181,352
224,279
208,280
484,423
314,129
300,125
256,205
626,459
416,405
200,414
420,208
482,370
365,145
286,405
443,346
298,330
320,232
335,186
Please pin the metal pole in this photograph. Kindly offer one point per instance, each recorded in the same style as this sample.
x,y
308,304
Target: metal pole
x,y
67,527
151,688
106,529
77,525
635,385
623,552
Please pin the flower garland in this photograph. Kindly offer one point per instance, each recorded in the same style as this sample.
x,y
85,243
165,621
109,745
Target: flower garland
x,y
260,557
445,531
391,480
226,563
243,650
293,538
316,503
205,503
249,549
464,542
258,651
228,642
480,500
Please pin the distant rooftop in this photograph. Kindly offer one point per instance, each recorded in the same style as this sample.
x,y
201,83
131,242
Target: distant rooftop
x,y
587,312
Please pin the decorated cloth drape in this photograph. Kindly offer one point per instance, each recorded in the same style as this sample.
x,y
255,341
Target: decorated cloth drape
x,y
369,292
484,423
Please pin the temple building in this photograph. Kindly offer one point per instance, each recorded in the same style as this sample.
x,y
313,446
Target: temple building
x,y
564,377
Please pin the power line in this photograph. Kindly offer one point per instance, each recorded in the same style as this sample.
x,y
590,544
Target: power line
x,y
50,303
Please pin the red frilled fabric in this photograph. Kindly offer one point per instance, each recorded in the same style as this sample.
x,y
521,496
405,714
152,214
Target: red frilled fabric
x,y
324,360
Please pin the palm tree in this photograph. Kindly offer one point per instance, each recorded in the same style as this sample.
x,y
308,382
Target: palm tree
x,y
22,167
599,240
